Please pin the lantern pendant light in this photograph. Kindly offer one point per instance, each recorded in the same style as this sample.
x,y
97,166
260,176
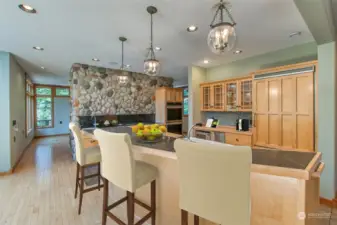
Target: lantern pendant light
x,y
123,78
222,36
151,65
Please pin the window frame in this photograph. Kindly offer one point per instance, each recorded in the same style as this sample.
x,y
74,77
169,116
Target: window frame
x,y
29,108
52,96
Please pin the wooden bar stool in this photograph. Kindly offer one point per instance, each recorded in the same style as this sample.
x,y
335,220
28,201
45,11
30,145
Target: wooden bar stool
x,y
214,182
120,168
85,158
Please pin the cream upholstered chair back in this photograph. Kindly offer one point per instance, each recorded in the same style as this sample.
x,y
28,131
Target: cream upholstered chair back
x,y
78,142
117,164
215,181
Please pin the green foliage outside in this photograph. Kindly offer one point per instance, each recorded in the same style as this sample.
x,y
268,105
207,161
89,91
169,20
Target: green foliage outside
x,y
43,91
185,101
62,92
43,111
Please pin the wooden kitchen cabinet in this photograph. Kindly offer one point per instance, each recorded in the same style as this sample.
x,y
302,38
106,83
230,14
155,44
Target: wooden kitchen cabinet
x,y
238,139
283,107
174,95
229,95
212,97
232,96
245,95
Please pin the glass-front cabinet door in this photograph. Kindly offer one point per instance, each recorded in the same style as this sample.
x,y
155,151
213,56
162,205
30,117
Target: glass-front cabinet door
x,y
206,97
246,95
218,97
232,96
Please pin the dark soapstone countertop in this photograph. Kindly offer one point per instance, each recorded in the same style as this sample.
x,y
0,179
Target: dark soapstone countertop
x,y
278,158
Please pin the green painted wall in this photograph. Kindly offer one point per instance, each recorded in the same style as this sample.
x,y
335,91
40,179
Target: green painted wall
x,y
327,83
299,53
5,157
12,101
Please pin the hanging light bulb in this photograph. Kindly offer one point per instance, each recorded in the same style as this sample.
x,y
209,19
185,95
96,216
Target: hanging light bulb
x,y
124,77
151,65
222,36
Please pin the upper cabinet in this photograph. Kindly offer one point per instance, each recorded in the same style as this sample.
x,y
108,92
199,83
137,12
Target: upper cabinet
x,y
174,95
228,95
212,97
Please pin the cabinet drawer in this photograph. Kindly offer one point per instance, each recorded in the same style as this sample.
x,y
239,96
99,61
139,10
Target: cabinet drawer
x,y
89,142
238,139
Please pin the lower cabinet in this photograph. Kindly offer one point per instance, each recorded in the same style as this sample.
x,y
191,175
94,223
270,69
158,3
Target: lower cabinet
x,y
238,139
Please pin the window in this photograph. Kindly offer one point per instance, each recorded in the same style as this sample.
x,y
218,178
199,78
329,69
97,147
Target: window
x,y
44,107
44,102
186,101
29,107
62,92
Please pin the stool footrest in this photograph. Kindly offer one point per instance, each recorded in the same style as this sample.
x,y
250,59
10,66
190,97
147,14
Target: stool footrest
x,y
92,188
117,203
142,220
143,204
115,218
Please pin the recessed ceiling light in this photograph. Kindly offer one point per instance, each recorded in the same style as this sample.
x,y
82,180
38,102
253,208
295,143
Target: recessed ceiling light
x,y
27,8
38,48
238,52
95,59
157,48
192,28
42,67
298,33
127,66
206,61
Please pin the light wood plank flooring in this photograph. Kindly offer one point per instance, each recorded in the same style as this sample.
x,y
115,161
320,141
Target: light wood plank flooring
x,y
41,191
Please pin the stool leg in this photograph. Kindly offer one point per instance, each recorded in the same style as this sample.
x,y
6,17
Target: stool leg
x,y
131,207
196,220
77,176
153,202
99,176
81,189
184,217
105,200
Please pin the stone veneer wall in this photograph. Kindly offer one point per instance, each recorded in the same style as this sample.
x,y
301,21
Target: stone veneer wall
x,y
95,91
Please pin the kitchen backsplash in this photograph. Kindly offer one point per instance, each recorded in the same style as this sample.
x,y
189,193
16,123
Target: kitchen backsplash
x,y
96,91
228,118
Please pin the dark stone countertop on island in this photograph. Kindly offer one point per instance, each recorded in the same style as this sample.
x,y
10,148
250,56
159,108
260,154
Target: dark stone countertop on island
x,y
277,158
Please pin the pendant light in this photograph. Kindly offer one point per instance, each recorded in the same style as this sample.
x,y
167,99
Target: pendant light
x,y
123,78
222,37
151,65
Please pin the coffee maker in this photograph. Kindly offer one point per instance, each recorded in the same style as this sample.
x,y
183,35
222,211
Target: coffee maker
x,y
242,125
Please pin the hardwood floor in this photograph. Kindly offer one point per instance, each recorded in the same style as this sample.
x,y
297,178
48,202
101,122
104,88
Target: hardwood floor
x,y
41,191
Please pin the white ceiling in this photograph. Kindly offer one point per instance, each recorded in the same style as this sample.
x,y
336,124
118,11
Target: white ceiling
x,y
79,30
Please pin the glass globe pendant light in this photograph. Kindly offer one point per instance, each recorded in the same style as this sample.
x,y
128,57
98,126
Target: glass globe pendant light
x,y
123,78
151,65
222,36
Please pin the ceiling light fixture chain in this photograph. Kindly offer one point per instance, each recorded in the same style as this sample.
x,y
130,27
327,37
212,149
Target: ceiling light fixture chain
x,y
220,13
151,65
123,78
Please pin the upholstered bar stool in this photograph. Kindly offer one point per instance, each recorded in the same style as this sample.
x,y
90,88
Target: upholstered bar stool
x,y
85,157
214,182
120,168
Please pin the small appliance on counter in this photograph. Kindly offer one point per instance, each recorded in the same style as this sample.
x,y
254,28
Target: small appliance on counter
x,y
242,125
212,122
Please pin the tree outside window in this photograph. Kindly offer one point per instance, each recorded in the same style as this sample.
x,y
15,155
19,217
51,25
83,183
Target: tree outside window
x,y
185,101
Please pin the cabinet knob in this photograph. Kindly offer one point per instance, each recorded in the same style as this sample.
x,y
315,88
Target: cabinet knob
x,y
237,139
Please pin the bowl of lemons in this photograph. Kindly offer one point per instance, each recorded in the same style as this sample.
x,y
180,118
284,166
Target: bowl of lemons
x,y
149,133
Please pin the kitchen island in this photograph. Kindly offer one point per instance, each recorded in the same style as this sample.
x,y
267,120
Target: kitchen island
x,y
284,184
